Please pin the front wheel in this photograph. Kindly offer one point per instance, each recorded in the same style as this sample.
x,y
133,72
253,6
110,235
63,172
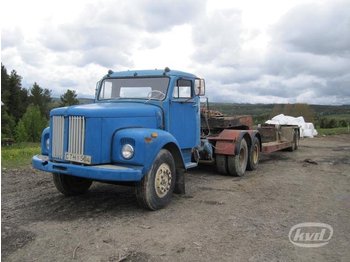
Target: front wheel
x,y
70,185
156,188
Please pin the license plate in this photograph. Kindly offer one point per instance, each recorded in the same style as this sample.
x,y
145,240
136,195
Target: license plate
x,y
78,158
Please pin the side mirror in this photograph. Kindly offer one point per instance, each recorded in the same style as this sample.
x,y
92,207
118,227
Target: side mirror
x,y
199,87
96,89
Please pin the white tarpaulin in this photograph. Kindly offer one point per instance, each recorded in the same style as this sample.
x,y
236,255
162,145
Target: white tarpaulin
x,y
306,129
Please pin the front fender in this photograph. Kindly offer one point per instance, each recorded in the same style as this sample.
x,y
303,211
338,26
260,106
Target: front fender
x,y
44,136
228,141
147,142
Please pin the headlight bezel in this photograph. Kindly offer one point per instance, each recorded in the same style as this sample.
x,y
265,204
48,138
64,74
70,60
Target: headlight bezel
x,y
127,151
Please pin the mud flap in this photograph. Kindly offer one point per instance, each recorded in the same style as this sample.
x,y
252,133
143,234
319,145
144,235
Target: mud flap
x,y
180,182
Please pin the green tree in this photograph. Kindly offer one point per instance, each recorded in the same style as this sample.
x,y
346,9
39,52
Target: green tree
x,y
40,97
288,109
295,110
323,122
31,125
69,98
5,92
343,123
7,124
21,132
14,100
305,111
16,97
332,123
276,110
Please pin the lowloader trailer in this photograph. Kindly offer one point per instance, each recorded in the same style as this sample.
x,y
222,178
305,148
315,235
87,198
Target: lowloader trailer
x,y
146,128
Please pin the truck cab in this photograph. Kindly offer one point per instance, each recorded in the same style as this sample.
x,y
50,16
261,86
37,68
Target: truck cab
x,y
143,129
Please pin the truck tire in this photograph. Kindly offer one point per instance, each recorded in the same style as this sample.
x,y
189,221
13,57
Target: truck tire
x,y
254,154
237,164
155,189
221,164
71,185
295,142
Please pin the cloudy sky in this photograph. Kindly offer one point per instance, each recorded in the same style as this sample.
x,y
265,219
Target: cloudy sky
x,y
271,51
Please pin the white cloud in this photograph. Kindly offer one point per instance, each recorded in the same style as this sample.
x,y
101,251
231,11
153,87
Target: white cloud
x,y
248,51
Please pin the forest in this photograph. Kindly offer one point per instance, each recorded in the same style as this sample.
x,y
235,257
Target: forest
x,y
25,111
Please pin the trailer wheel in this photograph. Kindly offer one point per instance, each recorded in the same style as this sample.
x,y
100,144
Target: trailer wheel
x,y
254,155
155,189
221,164
71,185
237,164
295,142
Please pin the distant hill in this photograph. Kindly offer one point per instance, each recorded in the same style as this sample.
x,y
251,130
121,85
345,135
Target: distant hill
x,y
86,100
263,112
259,109
56,100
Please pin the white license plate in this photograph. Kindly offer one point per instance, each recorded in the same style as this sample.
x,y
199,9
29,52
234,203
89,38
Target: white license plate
x,y
78,158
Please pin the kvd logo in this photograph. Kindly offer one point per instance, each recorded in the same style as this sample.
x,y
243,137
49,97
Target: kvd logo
x,y
310,234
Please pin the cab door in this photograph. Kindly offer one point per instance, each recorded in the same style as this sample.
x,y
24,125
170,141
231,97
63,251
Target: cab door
x,y
184,117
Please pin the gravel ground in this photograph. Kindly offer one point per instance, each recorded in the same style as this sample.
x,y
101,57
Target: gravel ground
x,y
219,219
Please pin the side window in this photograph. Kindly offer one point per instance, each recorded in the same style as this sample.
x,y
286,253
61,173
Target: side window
x,y
106,92
183,89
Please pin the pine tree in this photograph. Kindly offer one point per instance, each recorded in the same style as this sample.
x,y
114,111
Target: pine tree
x,y
5,92
69,98
41,98
14,97
14,103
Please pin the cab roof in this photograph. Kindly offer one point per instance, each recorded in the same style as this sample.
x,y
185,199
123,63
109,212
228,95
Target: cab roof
x,y
156,72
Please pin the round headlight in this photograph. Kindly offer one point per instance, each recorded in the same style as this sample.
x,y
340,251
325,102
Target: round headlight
x,y
47,143
127,151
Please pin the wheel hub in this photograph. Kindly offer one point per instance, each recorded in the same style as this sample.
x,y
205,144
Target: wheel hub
x,y
163,180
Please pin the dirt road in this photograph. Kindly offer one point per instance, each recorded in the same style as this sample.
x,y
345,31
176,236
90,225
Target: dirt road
x,y
219,219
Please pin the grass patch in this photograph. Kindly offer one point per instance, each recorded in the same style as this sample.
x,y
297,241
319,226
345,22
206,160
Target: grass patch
x,y
18,155
333,131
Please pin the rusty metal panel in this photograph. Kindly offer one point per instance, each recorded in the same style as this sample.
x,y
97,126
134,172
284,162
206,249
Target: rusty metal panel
x,y
228,134
216,123
275,146
269,133
225,148
287,133
225,142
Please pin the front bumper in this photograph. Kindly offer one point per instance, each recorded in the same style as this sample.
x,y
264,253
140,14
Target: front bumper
x,y
96,172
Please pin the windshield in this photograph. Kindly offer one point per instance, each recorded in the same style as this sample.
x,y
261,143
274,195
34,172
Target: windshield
x,y
139,88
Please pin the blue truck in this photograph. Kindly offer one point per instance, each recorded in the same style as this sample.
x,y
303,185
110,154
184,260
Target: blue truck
x,y
145,128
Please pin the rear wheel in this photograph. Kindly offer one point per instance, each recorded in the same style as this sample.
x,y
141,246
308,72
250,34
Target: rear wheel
x,y
295,142
70,185
221,164
237,164
156,188
254,154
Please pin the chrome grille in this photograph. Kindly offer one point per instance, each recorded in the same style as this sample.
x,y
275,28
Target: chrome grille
x,y
58,137
76,135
